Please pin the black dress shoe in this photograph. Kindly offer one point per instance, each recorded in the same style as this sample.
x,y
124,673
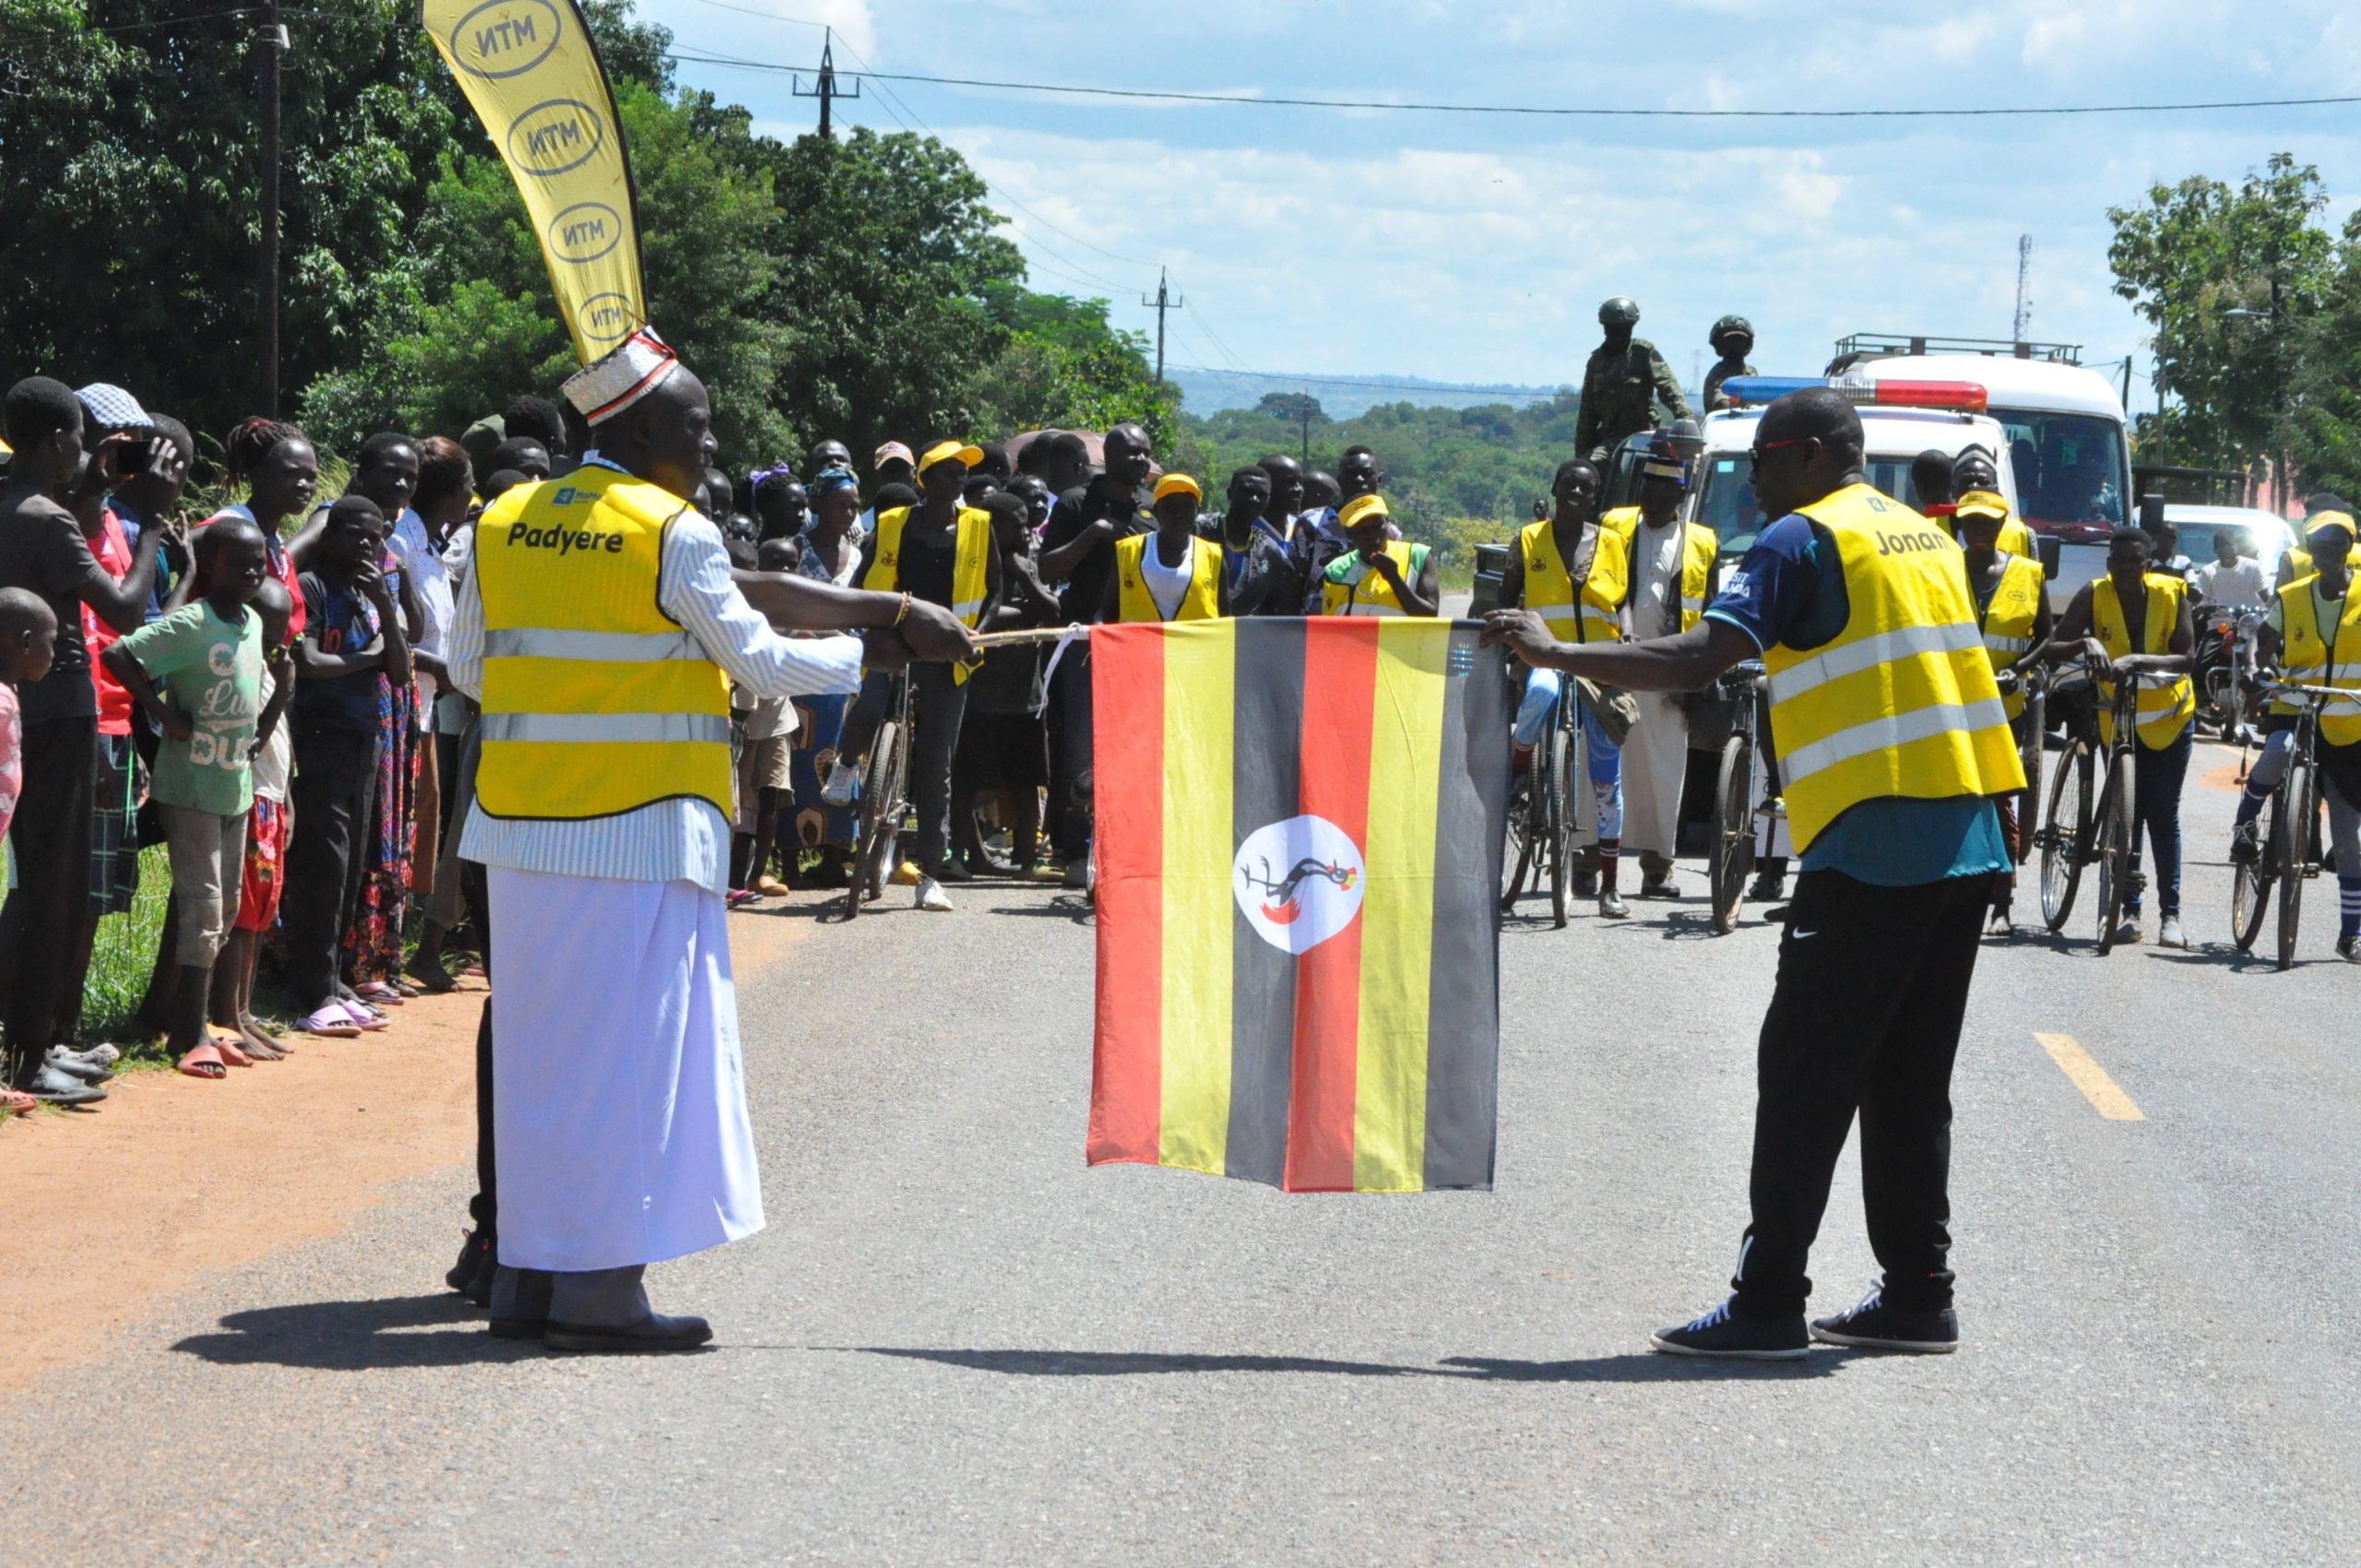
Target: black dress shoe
x,y
77,1068
517,1328
655,1336
471,1275
52,1088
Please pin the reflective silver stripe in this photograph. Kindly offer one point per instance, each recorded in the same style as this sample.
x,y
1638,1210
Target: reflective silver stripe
x,y
605,647
1886,647
1887,733
1697,603
662,727
2000,644
967,609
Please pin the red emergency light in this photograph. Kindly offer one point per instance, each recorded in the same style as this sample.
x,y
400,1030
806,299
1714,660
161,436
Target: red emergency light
x,y
1963,394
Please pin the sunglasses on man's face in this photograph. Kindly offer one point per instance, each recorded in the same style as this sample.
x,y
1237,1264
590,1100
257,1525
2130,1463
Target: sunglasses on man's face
x,y
1755,454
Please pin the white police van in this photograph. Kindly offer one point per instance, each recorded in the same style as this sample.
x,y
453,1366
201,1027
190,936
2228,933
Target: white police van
x,y
1899,421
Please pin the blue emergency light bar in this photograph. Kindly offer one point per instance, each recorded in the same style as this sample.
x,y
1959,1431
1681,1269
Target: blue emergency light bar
x,y
1749,391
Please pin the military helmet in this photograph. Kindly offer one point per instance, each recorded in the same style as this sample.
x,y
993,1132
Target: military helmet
x,y
1729,327
1621,310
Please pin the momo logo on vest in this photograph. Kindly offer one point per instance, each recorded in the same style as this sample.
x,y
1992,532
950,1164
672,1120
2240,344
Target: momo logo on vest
x,y
505,38
582,233
556,137
1298,882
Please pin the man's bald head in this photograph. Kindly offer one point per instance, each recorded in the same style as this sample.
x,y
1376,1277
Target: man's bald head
x,y
666,437
1807,447
1820,413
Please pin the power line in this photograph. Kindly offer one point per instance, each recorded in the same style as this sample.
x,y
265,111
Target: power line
x,y
1208,328
1176,95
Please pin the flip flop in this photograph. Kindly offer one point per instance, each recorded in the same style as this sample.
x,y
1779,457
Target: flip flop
x,y
16,1103
331,1022
204,1062
377,994
231,1054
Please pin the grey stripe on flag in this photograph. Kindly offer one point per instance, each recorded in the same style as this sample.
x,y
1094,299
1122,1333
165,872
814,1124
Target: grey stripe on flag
x,y
1265,786
1463,984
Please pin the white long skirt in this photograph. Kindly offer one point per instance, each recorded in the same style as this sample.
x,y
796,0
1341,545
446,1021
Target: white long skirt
x,y
1655,762
619,1096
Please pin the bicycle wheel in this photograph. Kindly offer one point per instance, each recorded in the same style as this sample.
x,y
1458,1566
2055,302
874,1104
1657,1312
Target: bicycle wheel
x,y
881,814
2030,756
2250,881
1517,847
2113,850
1733,849
2298,795
1557,841
2065,833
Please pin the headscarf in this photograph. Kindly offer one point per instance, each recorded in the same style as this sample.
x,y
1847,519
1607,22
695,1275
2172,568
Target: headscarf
x,y
834,478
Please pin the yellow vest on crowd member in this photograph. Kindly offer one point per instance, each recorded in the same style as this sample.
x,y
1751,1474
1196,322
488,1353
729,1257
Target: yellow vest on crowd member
x,y
1698,546
1584,616
1902,702
595,701
2165,711
2310,660
1199,601
1352,586
970,566
2009,616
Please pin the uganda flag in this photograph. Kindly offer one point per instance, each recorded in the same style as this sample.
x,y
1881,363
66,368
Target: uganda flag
x,y
1299,843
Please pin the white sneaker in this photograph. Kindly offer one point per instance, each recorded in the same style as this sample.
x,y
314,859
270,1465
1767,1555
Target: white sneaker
x,y
2128,934
933,897
2169,934
843,787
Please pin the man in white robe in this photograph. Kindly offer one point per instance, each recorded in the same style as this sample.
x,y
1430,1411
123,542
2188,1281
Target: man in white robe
x,y
618,1102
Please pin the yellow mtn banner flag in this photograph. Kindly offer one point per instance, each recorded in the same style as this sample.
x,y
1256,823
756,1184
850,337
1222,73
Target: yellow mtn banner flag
x,y
533,76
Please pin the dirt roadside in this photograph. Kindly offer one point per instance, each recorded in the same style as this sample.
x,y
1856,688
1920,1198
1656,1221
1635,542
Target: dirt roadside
x,y
173,1177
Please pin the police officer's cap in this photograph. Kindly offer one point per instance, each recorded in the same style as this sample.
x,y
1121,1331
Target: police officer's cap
x,y
1621,310
1730,327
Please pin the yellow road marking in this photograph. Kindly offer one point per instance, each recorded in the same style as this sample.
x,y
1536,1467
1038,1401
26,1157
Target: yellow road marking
x,y
2087,1075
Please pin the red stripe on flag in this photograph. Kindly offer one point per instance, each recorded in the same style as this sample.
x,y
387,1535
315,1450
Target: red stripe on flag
x,y
1127,1079
1340,695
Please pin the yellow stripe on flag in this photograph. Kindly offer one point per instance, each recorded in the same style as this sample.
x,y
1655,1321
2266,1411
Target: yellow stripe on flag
x,y
1200,662
1397,908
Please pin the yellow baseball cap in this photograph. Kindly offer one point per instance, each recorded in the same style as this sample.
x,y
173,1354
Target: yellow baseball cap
x,y
1361,506
2330,520
1178,484
1981,504
971,455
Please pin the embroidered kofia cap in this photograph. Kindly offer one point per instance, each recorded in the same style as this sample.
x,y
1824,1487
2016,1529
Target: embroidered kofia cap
x,y
639,365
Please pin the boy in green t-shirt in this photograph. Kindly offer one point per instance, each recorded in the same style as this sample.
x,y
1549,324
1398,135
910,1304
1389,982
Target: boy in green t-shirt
x,y
209,657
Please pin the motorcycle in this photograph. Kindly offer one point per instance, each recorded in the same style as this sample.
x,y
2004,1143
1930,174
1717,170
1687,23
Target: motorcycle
x,y
2224,636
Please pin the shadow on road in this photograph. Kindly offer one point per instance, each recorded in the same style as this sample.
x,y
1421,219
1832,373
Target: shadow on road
x,y
359,1335
1640,1367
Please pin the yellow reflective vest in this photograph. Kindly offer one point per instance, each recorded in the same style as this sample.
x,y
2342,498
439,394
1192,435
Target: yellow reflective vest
x,y
1199,601
970,567
1698,546
2165,711
595,701
1352,586
2310,660
1902,702
2009,616
1573,615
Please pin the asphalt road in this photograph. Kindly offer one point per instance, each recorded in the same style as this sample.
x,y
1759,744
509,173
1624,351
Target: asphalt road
x,y
957,1345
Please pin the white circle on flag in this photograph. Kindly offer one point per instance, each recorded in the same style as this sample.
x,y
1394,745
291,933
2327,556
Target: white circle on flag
x,y
1300,882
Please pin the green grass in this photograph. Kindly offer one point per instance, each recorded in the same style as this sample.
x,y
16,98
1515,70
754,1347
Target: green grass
x,y
123,956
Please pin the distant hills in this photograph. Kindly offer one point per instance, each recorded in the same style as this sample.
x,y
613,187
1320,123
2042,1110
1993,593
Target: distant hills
x,y
1341,397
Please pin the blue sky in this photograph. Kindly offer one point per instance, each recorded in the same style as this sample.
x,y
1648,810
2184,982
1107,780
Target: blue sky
x,y
1476,248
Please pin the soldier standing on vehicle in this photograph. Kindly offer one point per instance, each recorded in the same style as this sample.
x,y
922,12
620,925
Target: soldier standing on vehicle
x,y
1733,339
1624,381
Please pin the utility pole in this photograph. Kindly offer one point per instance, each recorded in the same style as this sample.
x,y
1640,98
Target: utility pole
x,y
2024,299
1162,303
270,43
826,91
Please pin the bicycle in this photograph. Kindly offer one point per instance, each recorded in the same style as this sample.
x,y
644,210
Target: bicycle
x,y
2032,752
2087,829
2293,808
1541,820
885,802
1731,857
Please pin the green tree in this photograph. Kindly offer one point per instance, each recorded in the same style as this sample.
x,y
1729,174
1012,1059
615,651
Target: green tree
x,y
2227,278
2325,435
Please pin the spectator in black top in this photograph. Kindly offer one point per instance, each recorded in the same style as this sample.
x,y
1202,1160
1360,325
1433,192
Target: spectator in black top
x,y
42,550
1078,552
1255,569
1001,745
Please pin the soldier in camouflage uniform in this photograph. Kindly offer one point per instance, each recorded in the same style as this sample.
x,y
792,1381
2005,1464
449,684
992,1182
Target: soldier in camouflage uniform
x,y
1733,339
1623,385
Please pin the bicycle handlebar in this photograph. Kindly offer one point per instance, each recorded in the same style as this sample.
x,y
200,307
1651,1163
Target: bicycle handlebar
x,y
2319,697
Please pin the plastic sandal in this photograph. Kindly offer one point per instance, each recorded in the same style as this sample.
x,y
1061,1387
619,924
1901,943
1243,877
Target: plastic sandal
x,y
204,1062
377,994
331,1021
